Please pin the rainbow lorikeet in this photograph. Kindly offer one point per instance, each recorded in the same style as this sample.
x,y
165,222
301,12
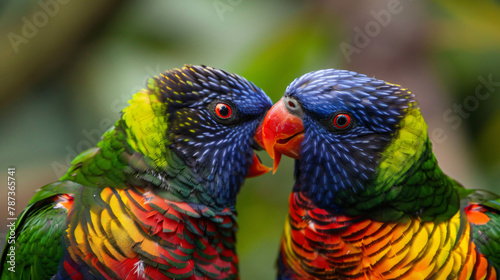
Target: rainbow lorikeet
x,y
370,201
156,198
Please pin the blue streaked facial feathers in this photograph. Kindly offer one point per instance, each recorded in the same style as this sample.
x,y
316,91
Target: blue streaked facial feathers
x,y
336,164
218,150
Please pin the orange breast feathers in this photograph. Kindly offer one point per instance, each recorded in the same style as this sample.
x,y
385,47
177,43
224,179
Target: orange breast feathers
x,y
135,234
318,244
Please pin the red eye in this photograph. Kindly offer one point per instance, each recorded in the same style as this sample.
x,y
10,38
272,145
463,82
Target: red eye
x,y
223,111
342,121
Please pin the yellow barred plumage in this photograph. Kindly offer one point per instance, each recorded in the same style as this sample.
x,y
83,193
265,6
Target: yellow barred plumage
x,y
130,228
319,245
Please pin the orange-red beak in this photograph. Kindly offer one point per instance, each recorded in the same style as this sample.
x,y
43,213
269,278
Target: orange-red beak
x,y
257,167
282,133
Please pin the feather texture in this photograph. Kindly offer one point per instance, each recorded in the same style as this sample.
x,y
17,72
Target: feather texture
x,y
320,245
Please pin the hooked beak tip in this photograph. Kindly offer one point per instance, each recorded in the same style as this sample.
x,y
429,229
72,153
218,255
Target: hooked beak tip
x,y
282,133
276,162
257,168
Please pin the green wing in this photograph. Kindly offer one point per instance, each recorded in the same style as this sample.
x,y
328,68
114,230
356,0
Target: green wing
x,y
39,229
483,212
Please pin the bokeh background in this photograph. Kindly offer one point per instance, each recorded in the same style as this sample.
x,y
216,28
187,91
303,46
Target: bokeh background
x,y
67,68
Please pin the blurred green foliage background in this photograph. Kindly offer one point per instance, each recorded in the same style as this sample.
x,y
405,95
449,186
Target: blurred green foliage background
x,y
67,67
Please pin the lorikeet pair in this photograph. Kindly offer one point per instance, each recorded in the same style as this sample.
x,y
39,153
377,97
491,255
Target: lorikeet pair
x,y
155,199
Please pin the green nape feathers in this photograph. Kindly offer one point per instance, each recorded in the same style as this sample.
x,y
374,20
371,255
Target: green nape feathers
x,y
155,199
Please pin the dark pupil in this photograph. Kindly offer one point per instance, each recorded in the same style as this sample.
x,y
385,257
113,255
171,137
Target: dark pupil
x,y
341,120
224,110
291,104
